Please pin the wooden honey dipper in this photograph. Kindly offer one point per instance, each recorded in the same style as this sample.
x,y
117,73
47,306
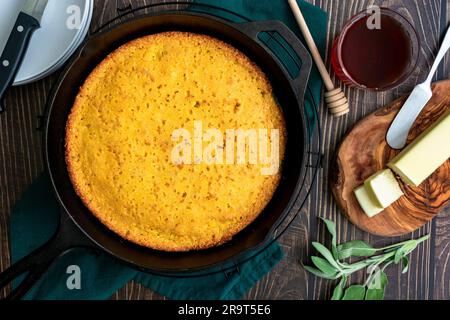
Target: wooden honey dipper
x,y
336,100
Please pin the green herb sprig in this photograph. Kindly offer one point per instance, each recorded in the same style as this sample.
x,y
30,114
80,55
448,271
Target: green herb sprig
x,y
331,264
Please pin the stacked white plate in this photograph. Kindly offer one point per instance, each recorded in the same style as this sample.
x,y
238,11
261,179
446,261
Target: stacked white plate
x,y
63,28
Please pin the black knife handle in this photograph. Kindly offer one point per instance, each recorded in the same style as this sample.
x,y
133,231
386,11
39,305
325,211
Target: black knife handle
x,y
14,52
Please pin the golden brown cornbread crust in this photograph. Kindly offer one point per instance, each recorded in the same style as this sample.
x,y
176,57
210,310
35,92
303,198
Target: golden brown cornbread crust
x,y
146,216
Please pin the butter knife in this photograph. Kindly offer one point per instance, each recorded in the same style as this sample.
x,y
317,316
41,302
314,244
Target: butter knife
x,y
29,20
397,135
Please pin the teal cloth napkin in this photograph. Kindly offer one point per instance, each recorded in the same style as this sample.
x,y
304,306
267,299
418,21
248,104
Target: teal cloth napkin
x,y
35,217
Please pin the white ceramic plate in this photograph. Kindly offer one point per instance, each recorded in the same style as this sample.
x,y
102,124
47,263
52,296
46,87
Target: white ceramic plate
x,y
70,51
78,41
53,43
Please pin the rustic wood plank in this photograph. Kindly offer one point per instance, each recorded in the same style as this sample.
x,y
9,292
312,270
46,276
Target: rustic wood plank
x,y
426,16
21,161
442,222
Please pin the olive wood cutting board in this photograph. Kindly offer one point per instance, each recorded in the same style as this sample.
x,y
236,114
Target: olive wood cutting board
x,y
365,151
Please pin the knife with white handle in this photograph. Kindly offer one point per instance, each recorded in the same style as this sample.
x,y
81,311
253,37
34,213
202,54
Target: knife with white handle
x,y
28,21
397,135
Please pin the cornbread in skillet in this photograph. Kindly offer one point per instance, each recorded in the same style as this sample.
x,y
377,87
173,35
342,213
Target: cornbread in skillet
x,y
119,141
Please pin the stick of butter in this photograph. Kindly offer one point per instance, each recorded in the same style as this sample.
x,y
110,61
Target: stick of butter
x,y
385,188
378,192
425,155
367,201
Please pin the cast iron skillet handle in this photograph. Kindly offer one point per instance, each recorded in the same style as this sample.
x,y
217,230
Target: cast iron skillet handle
x,y
14,52
36,264
253,29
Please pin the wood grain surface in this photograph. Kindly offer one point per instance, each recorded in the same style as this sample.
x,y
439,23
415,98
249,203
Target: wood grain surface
x,y
429,277
365,151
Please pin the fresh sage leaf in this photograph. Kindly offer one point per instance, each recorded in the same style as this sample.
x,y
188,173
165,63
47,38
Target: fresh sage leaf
x,y
405,263
331,227
355,249
375,294
410,247
423,239
320,274
377,287
404,250
324,266
355,292
398,255
378,281
326,254
375,260
338,292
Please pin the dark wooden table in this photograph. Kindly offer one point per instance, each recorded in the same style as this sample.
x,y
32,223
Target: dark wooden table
x,y
429,277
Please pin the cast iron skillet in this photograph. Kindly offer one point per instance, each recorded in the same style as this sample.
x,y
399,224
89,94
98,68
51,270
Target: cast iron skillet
x,y
79,227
